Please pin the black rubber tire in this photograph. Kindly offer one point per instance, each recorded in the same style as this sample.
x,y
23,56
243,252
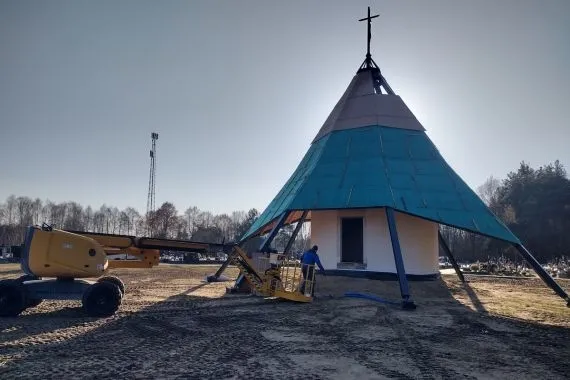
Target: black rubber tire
x,y
28,277
114,280
30,302
33,302
102,299
12,298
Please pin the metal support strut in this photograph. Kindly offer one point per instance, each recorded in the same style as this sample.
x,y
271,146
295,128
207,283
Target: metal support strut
x,y
220,270
407,303
296,232
448,253
267,242
542,273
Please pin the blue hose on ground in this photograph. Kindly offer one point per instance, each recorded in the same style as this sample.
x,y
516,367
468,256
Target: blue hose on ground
x,y
370,297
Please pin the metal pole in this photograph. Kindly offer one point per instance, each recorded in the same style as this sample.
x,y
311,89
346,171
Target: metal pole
x,y
448,253
387,86
295,232
287,276
369,35
222,268
407,303
542,273
267,242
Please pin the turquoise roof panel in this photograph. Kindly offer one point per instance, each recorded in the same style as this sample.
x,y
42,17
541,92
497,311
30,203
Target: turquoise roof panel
x,y
380,166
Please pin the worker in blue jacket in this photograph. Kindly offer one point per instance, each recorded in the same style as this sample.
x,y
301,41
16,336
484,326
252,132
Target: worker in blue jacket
x,y
308,261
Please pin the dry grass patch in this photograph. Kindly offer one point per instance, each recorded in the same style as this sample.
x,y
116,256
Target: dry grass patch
x,y
520,298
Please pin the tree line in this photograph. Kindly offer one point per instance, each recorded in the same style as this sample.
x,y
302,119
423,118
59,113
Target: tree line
x,y
19,212
16,213
534,203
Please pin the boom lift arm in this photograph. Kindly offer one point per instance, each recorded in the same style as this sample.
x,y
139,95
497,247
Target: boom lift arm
x,y
146,250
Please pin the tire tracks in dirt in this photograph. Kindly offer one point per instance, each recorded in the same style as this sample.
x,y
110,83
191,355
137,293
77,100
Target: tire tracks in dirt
x,y
418,350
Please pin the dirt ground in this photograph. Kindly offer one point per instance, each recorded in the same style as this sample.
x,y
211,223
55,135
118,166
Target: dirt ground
x,y
173,326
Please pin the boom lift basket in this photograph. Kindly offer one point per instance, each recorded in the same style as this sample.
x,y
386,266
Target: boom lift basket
x,y
273,275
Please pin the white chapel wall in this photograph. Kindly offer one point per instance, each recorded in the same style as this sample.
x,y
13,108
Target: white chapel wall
x,y
324,226
418,240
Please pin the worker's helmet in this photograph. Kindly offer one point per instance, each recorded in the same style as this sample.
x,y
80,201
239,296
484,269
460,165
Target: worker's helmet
x,y
315,248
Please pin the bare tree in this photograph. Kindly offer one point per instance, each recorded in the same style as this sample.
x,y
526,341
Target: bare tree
x,y
37,210
191,214
141,226
488,190
88,219
132,217
58,212
205,219
24,208
224,223
100,220
182,229
166,220
238,218
74,216
47,212
10,209
114,215
108,218
3,218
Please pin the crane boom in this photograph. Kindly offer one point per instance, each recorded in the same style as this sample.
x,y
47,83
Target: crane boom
x,y
145,250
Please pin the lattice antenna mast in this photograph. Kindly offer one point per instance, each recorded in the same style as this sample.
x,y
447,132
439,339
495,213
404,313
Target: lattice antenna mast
x,y
370,65
152,175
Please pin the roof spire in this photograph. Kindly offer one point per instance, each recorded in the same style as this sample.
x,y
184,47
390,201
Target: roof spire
x,y
369,62
378,81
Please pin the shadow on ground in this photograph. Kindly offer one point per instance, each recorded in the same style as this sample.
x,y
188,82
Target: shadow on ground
x,y
475,301
188,336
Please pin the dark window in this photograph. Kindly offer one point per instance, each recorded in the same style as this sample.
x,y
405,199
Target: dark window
x,y
352,240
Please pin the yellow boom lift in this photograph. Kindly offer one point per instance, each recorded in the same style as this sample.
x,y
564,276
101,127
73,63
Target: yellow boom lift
x,y
61,265
57,265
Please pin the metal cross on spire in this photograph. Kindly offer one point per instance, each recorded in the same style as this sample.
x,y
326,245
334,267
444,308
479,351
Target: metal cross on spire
x,y
379,81
369,19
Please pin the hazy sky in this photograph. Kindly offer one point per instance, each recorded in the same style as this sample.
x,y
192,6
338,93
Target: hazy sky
x,y
238,89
